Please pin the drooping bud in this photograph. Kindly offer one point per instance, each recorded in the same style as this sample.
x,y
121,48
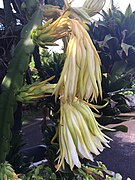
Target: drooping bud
x,y
92,7
84,9
50,32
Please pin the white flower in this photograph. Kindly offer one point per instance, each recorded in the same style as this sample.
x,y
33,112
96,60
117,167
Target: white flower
x,y
84,9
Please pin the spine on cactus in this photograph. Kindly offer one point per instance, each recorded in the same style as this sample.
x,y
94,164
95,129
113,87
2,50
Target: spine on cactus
x,y
14,80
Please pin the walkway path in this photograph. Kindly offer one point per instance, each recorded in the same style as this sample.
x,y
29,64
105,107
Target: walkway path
x,y
119,158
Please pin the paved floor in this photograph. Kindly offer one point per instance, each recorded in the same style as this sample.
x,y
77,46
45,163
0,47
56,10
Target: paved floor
x,y
32,133
119,158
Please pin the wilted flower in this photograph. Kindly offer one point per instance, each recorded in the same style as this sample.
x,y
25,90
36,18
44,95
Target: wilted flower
x,y
79,134
83,10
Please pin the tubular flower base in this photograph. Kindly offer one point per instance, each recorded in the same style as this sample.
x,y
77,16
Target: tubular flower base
x,y
79,134
37,90
81,74
50,32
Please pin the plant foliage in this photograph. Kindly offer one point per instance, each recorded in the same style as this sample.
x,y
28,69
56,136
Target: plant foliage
x,y
113,36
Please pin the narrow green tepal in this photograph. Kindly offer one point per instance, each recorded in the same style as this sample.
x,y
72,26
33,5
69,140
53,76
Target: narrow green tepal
x,y
14,80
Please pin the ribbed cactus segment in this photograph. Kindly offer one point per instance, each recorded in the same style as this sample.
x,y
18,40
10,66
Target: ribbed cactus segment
x,y
13,81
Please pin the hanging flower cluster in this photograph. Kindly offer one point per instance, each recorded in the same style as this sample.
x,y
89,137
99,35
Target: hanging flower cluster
x,y
79,134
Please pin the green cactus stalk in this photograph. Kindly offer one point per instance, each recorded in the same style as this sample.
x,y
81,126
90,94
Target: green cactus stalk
x,y
14,80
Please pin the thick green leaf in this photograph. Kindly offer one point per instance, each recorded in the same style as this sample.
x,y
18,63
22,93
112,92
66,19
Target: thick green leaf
x,y
122,128
128,11
117,70
129,24
126,47
108,38
120,76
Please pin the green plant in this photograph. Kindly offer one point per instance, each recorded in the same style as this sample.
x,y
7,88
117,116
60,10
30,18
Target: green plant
x,y
40,172
7,172
14,80
87,172
113,37
52,64
14,156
